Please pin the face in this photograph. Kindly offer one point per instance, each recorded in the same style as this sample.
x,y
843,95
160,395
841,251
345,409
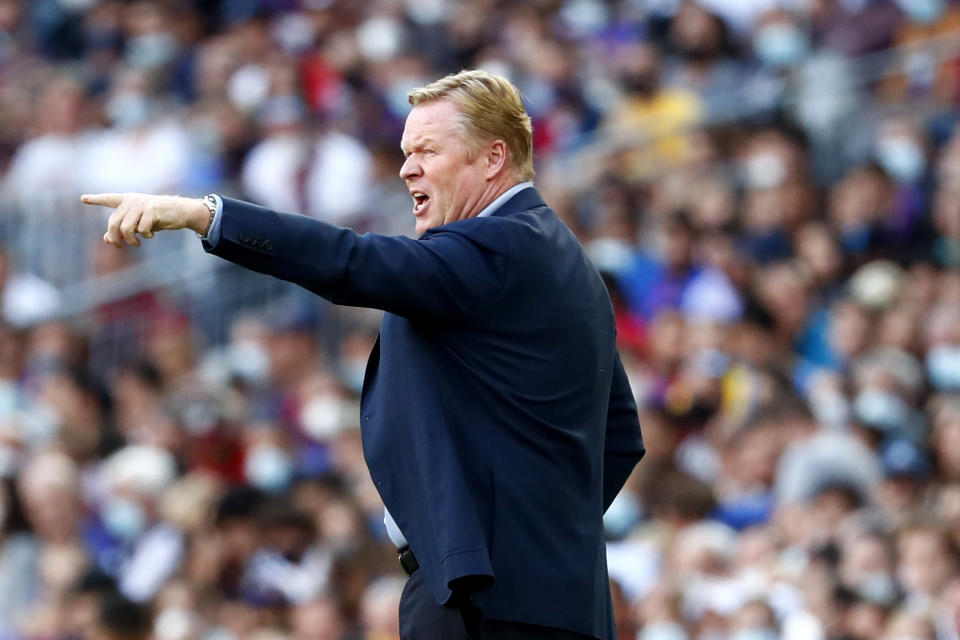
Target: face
x,y
445,183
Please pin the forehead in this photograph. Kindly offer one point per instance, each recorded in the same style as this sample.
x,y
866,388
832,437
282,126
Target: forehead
x,y
434,119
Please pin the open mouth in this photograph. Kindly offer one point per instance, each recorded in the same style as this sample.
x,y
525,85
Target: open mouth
x,y
420,201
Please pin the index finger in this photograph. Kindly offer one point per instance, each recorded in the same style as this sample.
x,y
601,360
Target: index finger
x,y
105,199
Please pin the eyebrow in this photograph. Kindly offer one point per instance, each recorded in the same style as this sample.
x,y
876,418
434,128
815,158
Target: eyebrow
x,y
418,144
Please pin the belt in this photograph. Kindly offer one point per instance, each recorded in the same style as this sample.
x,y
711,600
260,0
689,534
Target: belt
x,y
408,561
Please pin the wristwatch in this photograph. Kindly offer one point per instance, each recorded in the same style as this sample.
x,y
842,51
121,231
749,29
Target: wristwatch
x,y
210,202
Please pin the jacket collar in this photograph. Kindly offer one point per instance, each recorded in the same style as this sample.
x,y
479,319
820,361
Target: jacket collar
x,y
527,199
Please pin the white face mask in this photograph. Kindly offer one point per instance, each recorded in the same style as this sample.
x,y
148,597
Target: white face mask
x,y
249,360
881,409
943,366
322,417
922,11
612,255
174,623
268,468
124,518
901,157
663,631
830,407
780,44
77,5
128,110
757,633
151,50
763,170
878,586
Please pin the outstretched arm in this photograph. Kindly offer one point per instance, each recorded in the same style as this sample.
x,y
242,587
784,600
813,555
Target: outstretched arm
x,y
445,275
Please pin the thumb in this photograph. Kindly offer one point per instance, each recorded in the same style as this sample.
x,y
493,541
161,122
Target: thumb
x,y
105,199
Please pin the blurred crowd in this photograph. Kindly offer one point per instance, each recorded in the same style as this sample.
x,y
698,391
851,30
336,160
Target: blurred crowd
x,y
771,189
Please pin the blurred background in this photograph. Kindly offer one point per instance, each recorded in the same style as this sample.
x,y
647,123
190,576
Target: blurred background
x,y
771,189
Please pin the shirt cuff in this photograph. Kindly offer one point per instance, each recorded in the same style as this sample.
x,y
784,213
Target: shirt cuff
x,y
213,233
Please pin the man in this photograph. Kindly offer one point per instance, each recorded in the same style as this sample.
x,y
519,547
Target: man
x,y
497,420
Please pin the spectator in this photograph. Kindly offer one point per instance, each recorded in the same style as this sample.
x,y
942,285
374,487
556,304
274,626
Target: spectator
x,y
776,216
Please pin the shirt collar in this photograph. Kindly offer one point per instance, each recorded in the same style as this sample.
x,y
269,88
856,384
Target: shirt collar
x,y
503,197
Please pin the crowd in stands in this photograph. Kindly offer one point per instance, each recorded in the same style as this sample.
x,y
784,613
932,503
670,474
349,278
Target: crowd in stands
x,y
770,188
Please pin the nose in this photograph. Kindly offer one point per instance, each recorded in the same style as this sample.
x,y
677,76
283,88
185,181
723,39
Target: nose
x,y
410,168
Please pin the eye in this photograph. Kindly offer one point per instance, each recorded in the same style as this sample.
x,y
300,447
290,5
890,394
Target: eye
x,y
430,152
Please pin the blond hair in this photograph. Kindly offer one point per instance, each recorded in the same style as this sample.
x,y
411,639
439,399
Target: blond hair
x,y
491,108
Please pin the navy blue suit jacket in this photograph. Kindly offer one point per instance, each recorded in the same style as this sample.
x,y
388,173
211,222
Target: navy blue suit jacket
x,y
497,420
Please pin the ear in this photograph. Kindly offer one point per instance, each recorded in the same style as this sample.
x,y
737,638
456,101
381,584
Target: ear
x,y
496,157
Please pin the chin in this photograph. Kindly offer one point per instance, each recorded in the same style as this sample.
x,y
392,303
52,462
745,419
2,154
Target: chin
x,y
425,225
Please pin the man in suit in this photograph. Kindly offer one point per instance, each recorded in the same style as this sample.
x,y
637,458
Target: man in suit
x,y
498,424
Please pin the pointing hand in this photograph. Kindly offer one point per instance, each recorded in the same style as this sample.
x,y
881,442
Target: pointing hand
x,y
139,213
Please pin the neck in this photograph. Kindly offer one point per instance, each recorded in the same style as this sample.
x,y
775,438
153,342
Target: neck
x,y
494,189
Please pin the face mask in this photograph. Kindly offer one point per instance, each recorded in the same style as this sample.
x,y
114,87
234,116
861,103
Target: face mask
x,y
379,38
881,409
249,361
295,32
128,110
922,11
321,417
755,634
663,631
583,17
77,5
780,44
610,254
764,170
219,633
268,468
173,623
151,50
624,512
943,366
427,12
124,518
901,158
830,407
878,587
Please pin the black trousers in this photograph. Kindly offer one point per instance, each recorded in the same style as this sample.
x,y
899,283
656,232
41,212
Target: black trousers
x,y
421,618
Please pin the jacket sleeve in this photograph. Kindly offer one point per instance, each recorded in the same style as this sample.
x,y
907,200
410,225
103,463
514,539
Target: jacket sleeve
x,y
444,275
623,444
